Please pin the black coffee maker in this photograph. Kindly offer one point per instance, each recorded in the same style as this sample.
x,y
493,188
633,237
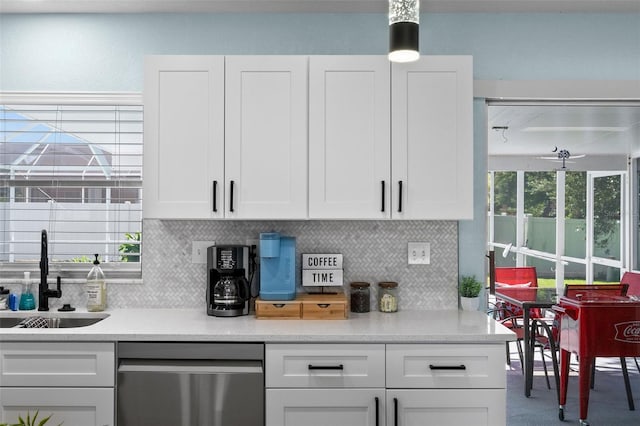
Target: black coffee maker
x,y
228,274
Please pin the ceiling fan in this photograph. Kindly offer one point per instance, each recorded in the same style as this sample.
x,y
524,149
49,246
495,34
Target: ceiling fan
x,y
562,155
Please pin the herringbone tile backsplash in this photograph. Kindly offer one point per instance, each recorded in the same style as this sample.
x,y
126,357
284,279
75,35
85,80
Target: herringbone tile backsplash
x,y
373,251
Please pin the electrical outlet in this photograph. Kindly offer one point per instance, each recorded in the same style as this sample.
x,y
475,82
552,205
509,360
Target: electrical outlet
x,y
199,251
419,253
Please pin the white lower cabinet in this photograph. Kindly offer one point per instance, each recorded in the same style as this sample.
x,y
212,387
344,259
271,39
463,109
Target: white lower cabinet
x,y
68,406
451,407
321,407
424,384
72,381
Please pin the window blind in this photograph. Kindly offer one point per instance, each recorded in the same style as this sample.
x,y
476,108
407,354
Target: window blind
x,y
74,170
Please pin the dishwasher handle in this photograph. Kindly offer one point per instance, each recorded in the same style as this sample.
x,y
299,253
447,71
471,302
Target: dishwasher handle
x,y
190,366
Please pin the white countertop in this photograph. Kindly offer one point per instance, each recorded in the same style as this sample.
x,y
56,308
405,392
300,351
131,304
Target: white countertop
x,y
432,326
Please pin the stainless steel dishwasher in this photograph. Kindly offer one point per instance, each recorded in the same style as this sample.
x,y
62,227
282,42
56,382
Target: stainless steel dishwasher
x,y
190,384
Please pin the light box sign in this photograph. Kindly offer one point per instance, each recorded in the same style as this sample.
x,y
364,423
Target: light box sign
x,y
322,270
322,277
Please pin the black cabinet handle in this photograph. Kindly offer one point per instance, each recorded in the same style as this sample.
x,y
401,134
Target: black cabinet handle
x,y
326,367
215,195
377,412
395,411
400,196
447,367
231,197
382,210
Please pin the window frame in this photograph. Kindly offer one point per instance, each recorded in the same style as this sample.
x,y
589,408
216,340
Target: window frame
x,y
560,259
127,271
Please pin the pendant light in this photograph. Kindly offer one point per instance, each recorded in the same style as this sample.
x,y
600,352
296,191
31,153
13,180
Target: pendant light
x,y
404,19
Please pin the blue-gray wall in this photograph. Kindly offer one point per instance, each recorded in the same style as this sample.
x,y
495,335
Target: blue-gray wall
x,y
105,53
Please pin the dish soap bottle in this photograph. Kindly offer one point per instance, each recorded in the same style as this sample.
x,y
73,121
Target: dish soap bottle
x,y
27,301
96,288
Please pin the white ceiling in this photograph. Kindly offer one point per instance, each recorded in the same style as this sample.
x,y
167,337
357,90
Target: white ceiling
x,y
60,6
580,128
605,134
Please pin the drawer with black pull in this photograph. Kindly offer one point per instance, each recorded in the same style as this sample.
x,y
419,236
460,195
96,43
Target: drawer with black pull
x,y
445,366
269,309
324,365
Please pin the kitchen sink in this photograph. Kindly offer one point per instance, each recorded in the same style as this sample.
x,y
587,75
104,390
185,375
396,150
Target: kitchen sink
x,y
53,320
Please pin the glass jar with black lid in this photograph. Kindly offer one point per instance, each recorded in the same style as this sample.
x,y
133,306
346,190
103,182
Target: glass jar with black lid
x,y
360,296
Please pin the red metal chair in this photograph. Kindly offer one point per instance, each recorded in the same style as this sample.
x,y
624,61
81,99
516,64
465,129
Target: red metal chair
x,y
543,336
509,314
632,279
523,276
507,275
501,314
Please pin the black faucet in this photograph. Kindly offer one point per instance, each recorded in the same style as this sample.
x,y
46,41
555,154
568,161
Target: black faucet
x,y
43,291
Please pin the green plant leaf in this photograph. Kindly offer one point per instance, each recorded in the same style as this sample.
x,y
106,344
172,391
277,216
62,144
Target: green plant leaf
x,y
43,421
470,286
30,421
130,252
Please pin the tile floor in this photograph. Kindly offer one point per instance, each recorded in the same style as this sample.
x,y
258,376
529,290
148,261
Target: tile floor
x,y
607,401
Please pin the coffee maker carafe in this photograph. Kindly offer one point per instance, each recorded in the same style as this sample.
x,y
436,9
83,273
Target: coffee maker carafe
x,y
228,275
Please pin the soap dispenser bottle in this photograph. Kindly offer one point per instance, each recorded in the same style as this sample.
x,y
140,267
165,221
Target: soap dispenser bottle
x,y
27,301
96,288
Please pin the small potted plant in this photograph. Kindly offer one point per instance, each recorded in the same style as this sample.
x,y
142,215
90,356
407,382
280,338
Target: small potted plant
x,y
470,289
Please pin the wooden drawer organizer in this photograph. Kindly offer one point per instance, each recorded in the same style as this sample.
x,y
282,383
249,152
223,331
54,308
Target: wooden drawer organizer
x,y
271,309
305,306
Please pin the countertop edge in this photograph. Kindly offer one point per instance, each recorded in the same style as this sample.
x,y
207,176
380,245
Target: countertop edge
x,y
182,325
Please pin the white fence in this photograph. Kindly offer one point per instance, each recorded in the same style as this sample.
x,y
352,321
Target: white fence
x,y
74,229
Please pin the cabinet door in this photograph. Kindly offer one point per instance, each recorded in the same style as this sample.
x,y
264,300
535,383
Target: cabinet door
x,y
482,407
57,364
266,137
183,137
349,137
321,407
68,406
432,138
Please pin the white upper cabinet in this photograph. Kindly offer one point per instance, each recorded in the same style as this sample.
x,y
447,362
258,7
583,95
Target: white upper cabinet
x,y
183,136
266,137
297,137
225,137
349,137
432,138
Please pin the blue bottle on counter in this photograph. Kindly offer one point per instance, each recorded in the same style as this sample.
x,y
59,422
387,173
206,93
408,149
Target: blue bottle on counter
x,y
13,302
27,301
